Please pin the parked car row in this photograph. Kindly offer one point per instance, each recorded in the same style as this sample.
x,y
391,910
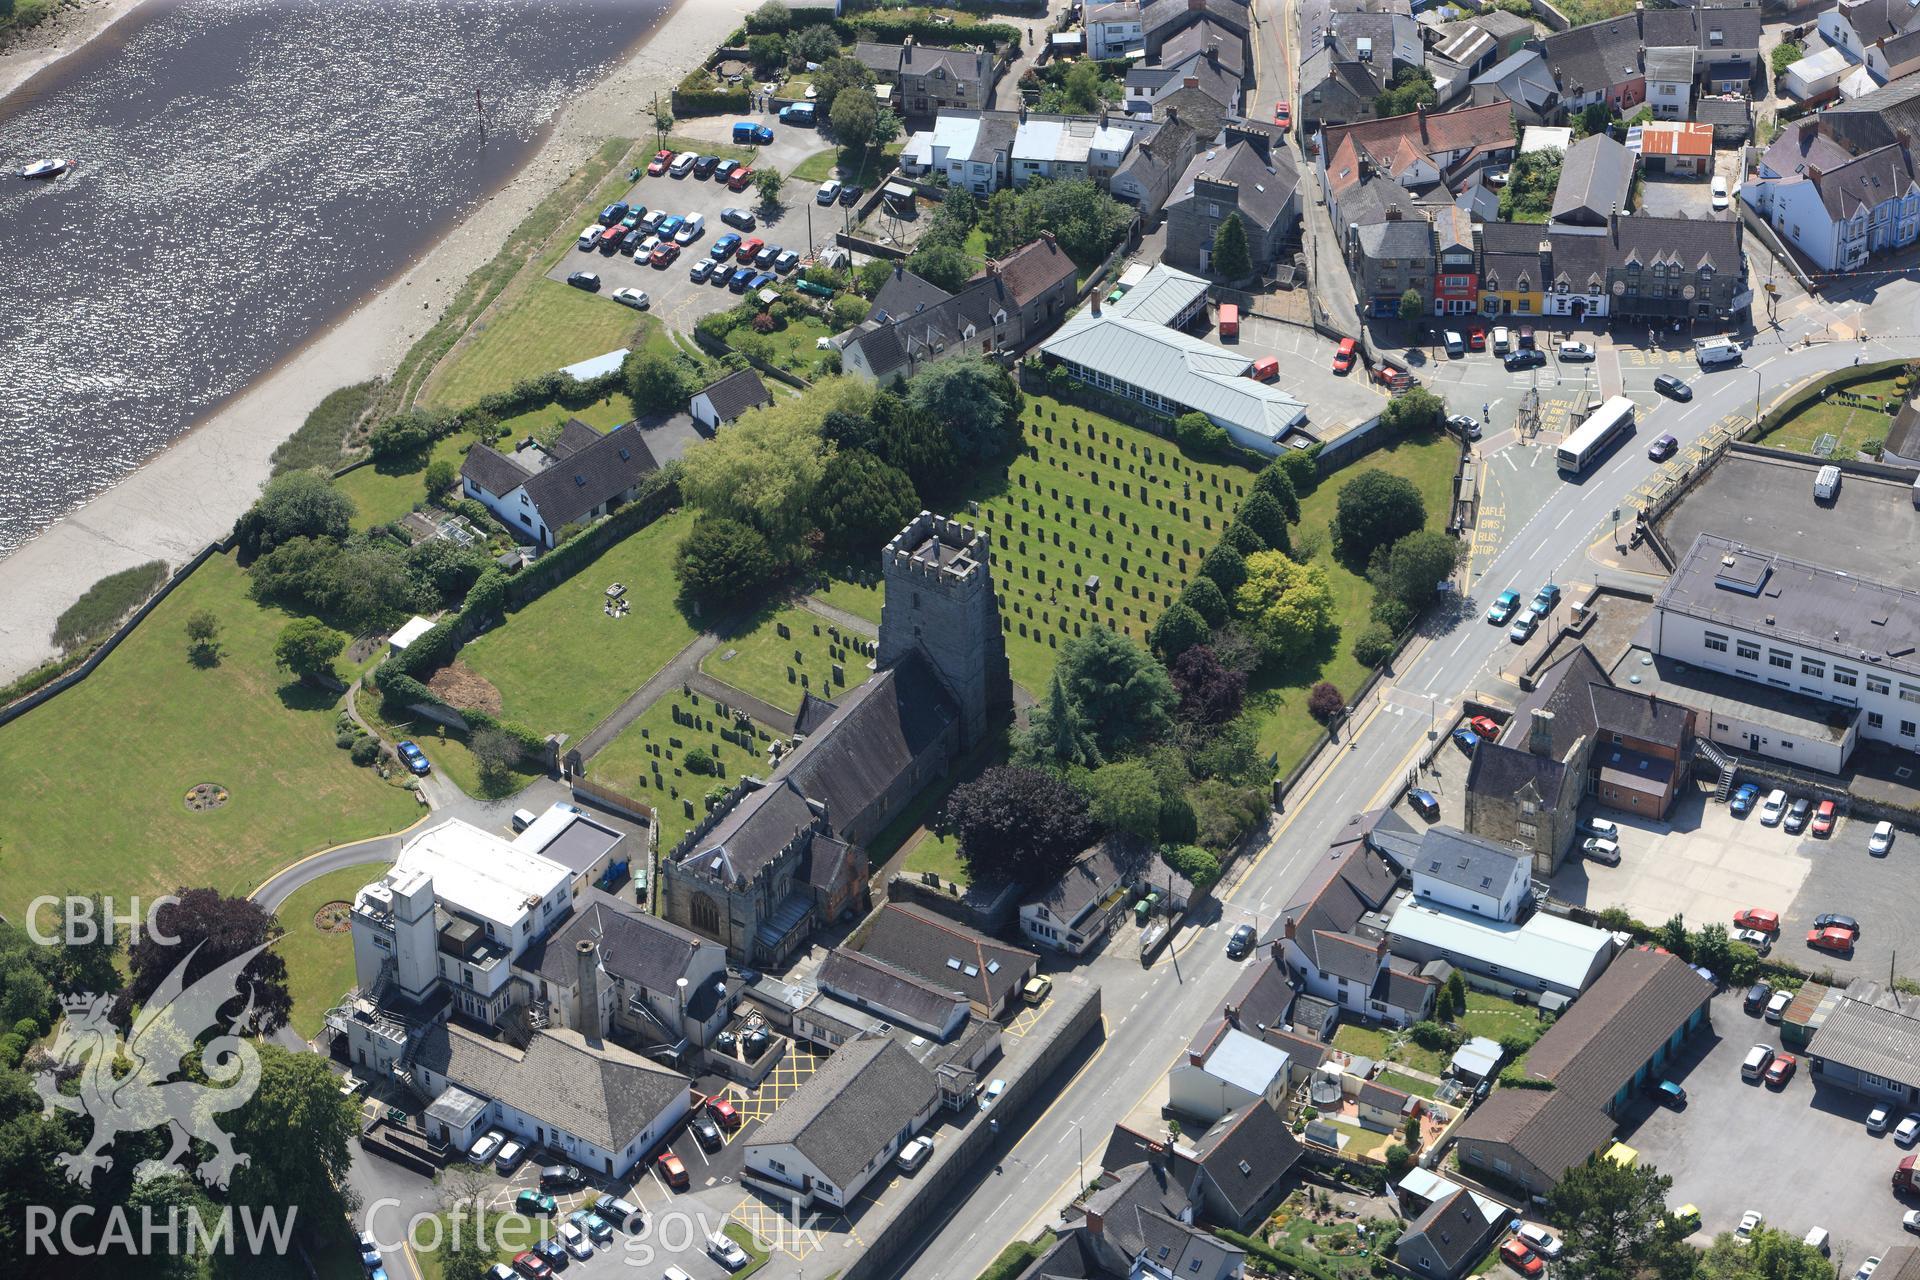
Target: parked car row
x,y
1506,606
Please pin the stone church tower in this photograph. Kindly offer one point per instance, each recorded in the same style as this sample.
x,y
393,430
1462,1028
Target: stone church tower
x,y
940,601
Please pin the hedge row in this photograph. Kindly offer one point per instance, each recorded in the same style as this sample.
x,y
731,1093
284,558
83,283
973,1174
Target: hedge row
x,y
700,95
891,27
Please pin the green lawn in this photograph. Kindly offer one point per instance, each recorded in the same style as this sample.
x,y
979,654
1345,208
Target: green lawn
x,y
545,422
1853,425
386,491
561,665
849,164
644,761
1090,497
938,854
320,965
779,669
1429,462
536,326
1497,1018
756,1256
98,776
862,599
1367,1042
790,347
447,750
1407,1084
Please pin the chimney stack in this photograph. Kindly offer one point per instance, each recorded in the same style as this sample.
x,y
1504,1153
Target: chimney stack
x,y
1232,1013
591,1026
1540,732
1191,82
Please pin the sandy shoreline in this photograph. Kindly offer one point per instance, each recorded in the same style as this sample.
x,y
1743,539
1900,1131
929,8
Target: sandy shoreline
x,y
58,36
191,492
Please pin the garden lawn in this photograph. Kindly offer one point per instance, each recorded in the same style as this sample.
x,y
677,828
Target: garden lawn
x,y
1495,1018
644,761
387,490
780,670
1286,729
545,422
938,854
1368,1042
561,664
1407,1084
536,326
848,165
791,346
1409,1054
96,777
320,965
1854,426
1088,497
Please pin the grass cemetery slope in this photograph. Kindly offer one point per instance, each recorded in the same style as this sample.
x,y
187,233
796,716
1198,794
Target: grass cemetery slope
x,y
789,654
648,761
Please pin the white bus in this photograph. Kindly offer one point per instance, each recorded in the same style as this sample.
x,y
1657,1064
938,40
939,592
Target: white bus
x,y
1591,438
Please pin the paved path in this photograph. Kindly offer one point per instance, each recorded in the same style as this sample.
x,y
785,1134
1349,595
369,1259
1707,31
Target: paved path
x,y
679,671
840,617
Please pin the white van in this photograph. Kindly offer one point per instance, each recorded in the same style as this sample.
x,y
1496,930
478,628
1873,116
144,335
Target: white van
x,y
1756,1062
1818,1239
914,1154
522,819
591,236
1714,352
1456,345
691,229
1826,483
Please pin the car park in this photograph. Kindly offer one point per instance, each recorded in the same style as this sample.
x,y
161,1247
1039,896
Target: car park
x,y
1757,996
706,1132
590,237
1424,803
723,1111
723,247
618,1212
724,170
749,249
1759,941
1466,739
1773,808
1524,358
1571,350
851,193
510,1155
1823,816
1522,629
1664,446
1240,941
1741,801
414,758
614,213
786,262
1837,942
552,1252
741,177
1606,852
1882,838
596,1227
1777,1005
1517,1255
672,1172
632,241
1485,727
1750,1222
1754,1065
635,298
486,1146
1502,339
829,192
1757,918
682,164
585,280
692,227
531,1201
658,165
575,1240
1907,1132
1344,355
532,1266
766,257
1780,1070
664,253
737,218
1503,607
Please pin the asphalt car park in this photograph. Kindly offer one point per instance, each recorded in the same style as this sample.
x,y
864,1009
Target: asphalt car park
x,y
1844,877
1306,371
1801,1156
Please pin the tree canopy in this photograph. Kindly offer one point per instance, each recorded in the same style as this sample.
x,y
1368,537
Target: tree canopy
x,y
1211,693
1614,1219
1178,630
307,648
1085,221
656,382
1264,515
1203,597
862,502
976,403
213,929
299,504
1286,606
1232,260
1375,509
1416,566
853,117
1276,483
1122,696
724,562
1125,796
1016,823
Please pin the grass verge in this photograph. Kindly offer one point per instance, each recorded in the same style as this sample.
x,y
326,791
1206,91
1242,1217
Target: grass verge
x,y
319,964
105,604
1853,425
1017,1256
322,439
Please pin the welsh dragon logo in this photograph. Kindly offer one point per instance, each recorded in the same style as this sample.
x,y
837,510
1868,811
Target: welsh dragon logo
x,y
126,1085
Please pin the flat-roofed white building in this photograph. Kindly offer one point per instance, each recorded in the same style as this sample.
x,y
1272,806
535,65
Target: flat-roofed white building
x,y
1545,953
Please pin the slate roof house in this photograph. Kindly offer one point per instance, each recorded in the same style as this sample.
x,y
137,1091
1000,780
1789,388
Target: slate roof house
x,y
1524,81
538,491
1840,188
870,983
843,1125
1610,1042
1350,62
1158,159
1014,300
1454,1232
1076,911
1138,1223
1883,35
946,953
1416,150
1598,62
1235,1172
1596,175
723,401
1163,20
782,855
927,79
1249,174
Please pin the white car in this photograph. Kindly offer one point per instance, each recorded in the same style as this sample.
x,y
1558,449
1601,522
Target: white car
x,y
576,1241
646,248
1867,1269
1759,941
726,1252
1601,850
1908,1131
1878,1119
1571,350
1773,808
1601,827
1720,197
682,164
1749,1223
635,298
1882,838
1777,1006
485,1145
829,191
590,238
1540,1240
1911,1219
1502,339
1456,345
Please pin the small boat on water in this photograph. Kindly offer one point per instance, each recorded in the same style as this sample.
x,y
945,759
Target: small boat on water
x,y
50,168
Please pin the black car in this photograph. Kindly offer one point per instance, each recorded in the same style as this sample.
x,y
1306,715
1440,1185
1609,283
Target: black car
x,y
1240,942
851,193
561,1177
1525,358
585,280
1668,385
1757,996
705,1131
1425,803
1832,921
704,166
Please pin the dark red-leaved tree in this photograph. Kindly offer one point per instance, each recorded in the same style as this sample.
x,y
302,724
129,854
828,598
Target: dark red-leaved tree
x,y
222,928
1016,823
1324,702
1210,693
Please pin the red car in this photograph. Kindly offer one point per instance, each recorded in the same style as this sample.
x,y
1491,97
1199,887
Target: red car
x,y
672,1172
1282,115
722,1110
1758,918
1833,938
658,165
749,249
532,1266
1780,1070
738,179
1823,818
664,253
1484,727
1522,1259
1476,339
1344,357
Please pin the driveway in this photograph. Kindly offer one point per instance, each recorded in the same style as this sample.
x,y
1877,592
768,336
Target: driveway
x,y
1739,1146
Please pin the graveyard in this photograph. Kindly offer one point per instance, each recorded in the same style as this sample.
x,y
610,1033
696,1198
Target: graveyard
x,y
791,652
1095,524
648,760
